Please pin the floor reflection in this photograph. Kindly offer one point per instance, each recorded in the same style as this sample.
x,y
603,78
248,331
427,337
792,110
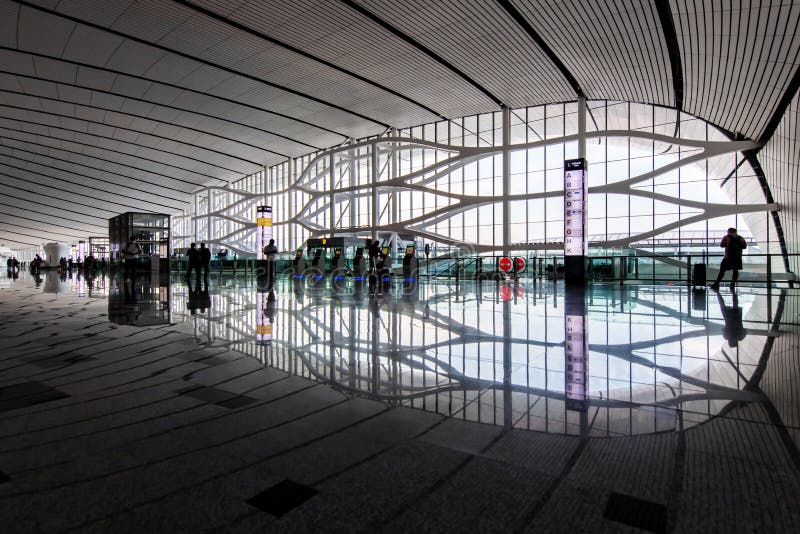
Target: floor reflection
x,y
604,361
498,353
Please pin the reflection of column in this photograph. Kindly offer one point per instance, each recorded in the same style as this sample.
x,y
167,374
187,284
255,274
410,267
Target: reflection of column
x,y
576,349
507,404
376,333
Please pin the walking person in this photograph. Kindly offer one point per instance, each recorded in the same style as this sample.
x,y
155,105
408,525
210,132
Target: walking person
x,y
131,255
194,262
205,262
733,244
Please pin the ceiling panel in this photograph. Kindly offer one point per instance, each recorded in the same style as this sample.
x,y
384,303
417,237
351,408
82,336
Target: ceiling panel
x,y
737,61
484,42
180,94
615,49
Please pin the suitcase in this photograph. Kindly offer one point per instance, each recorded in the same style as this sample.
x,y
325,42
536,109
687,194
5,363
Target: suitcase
x,y
699,275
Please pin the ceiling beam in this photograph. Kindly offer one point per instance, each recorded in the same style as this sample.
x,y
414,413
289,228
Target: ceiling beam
x,y
523,23
673,49
276,42
422,48
199,60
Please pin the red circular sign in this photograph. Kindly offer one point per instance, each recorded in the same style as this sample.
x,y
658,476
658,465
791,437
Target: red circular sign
x,y
505,264
520,264
506,293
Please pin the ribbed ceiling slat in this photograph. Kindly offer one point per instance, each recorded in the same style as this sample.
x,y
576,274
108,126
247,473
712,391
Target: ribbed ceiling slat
x,y
334,33
179,93
738,59
613,48
483,41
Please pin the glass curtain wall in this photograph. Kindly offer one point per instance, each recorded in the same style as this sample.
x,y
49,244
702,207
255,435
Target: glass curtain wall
x,y
653,188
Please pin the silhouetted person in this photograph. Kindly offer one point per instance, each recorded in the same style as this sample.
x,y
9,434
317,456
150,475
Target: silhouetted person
x,y
733,330
131,255
205,262
733,244
194,261
271,252
269,311
374,251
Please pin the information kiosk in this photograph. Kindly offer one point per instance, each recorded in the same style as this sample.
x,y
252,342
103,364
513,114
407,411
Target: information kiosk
x,y
337,264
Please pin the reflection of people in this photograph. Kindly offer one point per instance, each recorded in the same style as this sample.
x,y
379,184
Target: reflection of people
x,y
733,330
269,311
733,244
131,255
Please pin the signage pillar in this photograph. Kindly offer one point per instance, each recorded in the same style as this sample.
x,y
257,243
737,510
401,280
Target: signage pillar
x,y
263,229
263,236
575,196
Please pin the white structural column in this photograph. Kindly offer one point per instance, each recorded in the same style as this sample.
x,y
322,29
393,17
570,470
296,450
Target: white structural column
x,y
375,176
506,180
582,129
332,192
290,207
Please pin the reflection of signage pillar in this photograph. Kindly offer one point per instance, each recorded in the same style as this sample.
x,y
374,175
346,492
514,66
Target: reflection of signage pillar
x,y
576,350
575,200
264,313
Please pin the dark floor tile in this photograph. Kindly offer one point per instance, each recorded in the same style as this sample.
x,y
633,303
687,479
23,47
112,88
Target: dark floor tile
x,y
282,497
209,395
27,394
4,477
21,390
237,402
636,512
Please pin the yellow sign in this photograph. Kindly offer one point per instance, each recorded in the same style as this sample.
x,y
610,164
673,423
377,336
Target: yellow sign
x,y
264,221
265,329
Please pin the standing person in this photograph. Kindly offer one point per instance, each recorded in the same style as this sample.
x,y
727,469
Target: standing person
x,y
374,251
205,261
131,254
270,251
194,261
733,244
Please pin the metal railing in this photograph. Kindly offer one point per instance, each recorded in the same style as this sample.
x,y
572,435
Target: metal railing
x,y
643,268
630,268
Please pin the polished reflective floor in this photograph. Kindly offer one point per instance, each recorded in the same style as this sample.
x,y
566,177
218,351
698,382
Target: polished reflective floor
x,y
490,352
715,373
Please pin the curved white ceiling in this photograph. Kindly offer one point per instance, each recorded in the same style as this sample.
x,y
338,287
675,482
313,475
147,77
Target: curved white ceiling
x,y
129,105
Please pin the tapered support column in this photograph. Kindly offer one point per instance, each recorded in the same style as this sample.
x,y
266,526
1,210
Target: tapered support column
x,y
506,180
